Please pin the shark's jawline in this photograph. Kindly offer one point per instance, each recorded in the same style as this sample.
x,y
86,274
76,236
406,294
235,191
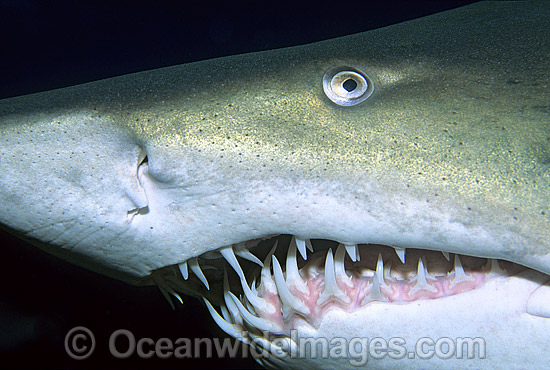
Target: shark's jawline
x,y
275,303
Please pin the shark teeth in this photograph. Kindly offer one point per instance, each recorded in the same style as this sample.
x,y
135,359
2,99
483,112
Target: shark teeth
x,y
379,273
167,291
290,302
495,269
460,275
231,329
421,282
376,293
331,290
258,302
340,268
166,296
183,270
229,255
387,271
265,274
353,252
257,322
194,266
229,304
400,253
176,295
377,283
293,277
273,303
241,251
225,314
302,244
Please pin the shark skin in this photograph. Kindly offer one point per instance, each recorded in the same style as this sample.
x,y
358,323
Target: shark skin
x,y
247,146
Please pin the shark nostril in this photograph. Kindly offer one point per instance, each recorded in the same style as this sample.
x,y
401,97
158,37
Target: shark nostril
x,y
144,160
142,205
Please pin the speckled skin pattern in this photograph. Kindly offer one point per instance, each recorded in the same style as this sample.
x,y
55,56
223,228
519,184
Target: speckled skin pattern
x,y
451,152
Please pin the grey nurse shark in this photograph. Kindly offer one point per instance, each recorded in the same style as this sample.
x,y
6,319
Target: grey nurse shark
x,y
410,165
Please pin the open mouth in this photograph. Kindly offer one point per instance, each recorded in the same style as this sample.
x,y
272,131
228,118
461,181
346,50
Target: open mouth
x,y
268,285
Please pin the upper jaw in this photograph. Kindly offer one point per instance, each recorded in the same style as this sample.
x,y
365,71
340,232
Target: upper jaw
x,y
313,211
196,207
203,276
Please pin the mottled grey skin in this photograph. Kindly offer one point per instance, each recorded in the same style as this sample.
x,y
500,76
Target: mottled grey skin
x,y
451,152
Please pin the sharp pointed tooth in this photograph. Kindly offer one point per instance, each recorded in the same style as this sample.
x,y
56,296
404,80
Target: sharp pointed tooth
x,y
249,307
331,286
293,277
231,329
183,270
258,303
380,270
421,282
229,255
257,322
167,296
352,252
175,295
421,273
229,302
241,251
194,266
446,255
376,293
400,253
225,281
301,245
340,267
247,255
226,315
459,270
289,301
387,272
309,245
265,276
495,268
460,275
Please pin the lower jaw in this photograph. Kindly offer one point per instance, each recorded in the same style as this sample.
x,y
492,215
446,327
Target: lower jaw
x,y
273,298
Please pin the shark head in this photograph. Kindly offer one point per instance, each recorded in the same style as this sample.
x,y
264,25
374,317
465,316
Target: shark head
x,y
383,185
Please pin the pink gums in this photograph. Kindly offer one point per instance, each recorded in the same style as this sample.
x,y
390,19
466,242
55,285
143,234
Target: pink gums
x,y
394,291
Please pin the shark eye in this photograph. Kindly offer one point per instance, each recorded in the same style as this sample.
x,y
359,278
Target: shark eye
x,y
347,86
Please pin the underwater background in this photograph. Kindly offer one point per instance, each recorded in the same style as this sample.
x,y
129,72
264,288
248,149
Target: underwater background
x,y
52,44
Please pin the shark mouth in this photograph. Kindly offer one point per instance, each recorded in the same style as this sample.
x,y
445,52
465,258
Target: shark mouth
x,y
317,276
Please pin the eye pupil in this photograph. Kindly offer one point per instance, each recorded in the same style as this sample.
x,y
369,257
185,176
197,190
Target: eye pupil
x,y
349,85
